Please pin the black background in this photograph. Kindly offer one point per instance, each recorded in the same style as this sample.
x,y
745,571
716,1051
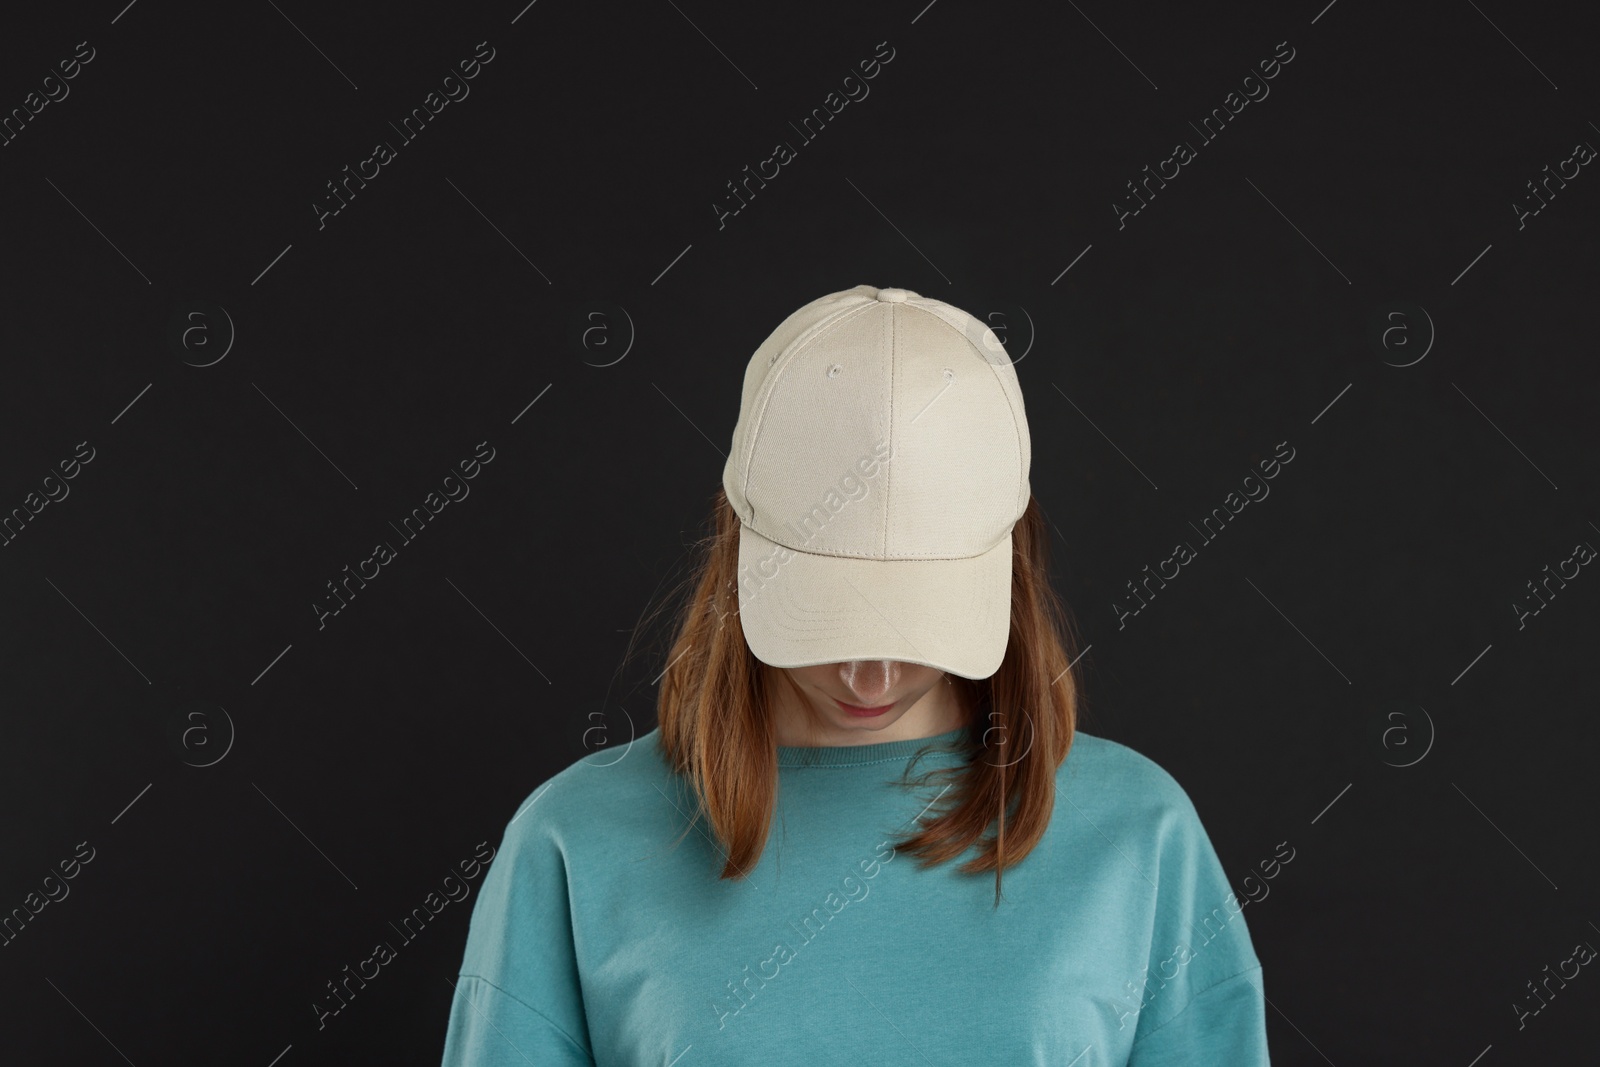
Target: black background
x,y
1360,618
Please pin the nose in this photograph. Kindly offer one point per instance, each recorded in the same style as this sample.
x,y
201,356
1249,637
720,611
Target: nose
x,y
868,680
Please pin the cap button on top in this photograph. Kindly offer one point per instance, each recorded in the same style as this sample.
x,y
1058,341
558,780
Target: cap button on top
x,y
893,296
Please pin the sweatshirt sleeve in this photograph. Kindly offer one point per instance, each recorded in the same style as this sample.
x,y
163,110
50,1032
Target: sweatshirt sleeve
x,y
1203,997
518,999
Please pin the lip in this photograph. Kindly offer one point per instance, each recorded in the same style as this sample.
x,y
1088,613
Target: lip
x,y
861,713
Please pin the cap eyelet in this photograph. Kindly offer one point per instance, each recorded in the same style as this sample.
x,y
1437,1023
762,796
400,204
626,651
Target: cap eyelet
x,y
833,371
949,375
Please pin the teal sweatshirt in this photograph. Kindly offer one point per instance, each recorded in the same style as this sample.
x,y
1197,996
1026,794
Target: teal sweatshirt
x,y
602,936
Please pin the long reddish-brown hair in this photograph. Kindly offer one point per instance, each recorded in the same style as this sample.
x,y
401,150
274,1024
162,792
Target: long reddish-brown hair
x,y
715,729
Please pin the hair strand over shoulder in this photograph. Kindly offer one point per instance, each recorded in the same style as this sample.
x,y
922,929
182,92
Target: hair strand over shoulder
x,y
715,730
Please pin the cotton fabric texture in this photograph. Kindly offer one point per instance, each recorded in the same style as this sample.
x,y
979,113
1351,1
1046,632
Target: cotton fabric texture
x,y
599,939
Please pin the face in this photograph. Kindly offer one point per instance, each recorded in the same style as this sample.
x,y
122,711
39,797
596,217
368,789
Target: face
x,y
861,698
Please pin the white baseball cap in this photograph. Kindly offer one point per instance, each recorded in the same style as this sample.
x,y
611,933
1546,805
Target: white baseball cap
x,y
878,465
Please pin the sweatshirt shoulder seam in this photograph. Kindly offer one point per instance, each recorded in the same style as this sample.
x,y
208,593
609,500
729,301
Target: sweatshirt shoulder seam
x,y
512,996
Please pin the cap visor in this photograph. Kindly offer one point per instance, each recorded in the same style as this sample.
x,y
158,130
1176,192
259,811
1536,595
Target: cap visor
x,y
799,609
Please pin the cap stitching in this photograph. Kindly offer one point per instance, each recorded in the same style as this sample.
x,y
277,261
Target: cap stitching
x,y
894,445
1017,417
769,382
888,468
878,557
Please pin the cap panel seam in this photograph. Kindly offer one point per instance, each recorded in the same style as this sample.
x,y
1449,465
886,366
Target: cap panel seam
x,y
769,383
894,444
1017,417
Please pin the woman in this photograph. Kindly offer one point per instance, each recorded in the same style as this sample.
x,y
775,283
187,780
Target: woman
x,y
871,682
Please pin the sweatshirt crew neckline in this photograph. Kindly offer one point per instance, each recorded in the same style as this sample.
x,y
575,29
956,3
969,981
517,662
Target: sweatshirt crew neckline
x,y
861,755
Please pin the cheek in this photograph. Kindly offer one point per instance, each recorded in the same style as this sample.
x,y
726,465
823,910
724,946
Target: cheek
x,y
820,677
808,677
